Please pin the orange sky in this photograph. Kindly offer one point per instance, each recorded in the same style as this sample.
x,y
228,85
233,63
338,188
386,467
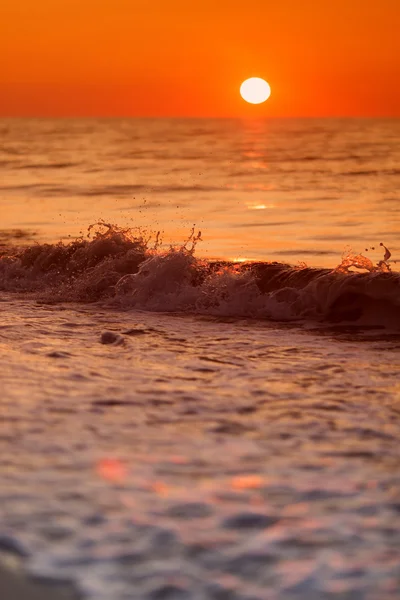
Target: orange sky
x,y
188,57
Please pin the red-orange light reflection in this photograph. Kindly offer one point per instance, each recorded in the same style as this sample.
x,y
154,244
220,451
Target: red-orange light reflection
x,y
247,482
111,469
160,488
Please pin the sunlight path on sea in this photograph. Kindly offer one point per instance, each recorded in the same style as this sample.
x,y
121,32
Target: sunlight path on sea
x,y
295,190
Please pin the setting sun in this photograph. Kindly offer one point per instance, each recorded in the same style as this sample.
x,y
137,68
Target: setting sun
x,y
255,90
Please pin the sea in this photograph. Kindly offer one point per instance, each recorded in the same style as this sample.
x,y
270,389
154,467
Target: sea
x,y
200,357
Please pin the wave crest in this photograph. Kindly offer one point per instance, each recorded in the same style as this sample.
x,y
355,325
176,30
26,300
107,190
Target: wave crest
x,y
128,268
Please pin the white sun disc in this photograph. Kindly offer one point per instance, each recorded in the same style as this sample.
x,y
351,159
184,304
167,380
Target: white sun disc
x,y
255,90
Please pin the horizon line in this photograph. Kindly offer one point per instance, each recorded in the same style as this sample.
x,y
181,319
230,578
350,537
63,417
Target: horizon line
x,y
198,117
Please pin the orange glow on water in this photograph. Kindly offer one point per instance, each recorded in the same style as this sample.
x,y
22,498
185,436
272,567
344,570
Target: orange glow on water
x,y
111,469
160,488
247,482
178,459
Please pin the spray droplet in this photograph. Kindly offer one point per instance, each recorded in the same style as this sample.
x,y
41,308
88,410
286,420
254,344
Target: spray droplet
x,y
388,254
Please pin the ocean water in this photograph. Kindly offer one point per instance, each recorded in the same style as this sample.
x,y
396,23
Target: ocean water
x,y
199,342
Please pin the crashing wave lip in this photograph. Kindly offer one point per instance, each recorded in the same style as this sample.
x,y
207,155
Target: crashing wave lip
x,y
340,296
121,267
330,296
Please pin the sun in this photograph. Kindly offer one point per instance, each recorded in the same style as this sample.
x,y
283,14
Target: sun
x,y
255,90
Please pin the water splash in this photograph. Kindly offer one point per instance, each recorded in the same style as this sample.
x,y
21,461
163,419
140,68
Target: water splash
x,y
131,268
359,261
101,230
387,254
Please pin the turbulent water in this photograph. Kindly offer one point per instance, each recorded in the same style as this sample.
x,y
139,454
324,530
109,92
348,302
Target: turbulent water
x,y
177,424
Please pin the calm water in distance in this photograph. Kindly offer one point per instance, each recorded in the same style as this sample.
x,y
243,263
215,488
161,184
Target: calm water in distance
x,y
286,190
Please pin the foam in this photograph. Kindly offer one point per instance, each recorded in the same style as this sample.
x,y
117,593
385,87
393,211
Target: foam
x,y
129,269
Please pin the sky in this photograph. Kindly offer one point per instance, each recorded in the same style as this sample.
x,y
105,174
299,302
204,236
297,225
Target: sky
x,y
189,57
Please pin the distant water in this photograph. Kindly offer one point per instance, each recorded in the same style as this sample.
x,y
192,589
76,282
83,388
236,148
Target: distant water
x,y
287,190
200,383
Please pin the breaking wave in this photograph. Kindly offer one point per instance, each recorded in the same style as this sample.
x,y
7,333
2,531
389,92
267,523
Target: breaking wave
x,y
128,269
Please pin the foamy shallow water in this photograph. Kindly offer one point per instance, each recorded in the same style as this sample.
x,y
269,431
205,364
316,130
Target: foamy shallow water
x,y
169,456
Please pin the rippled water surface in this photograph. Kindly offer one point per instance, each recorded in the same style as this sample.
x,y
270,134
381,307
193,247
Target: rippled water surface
x,y
295,190
179,428
200,458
